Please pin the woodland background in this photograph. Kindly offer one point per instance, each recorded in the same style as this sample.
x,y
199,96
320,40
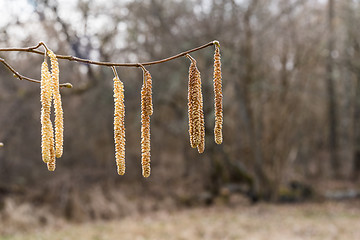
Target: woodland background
x,y
291,84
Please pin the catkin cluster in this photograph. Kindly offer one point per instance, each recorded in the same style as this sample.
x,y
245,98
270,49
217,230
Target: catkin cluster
x,y
146,112
51,148
195,108
218,96
52,135
119,125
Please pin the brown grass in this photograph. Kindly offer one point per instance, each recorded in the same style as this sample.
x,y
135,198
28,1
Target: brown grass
x,y
263,222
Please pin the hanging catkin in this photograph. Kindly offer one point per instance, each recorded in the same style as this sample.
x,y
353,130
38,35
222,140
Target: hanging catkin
x,y
45,98
218,95
59,127
119,125
195,108
191,97
146,111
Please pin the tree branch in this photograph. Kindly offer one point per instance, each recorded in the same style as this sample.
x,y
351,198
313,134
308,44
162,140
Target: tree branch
x,y
88,61
72,58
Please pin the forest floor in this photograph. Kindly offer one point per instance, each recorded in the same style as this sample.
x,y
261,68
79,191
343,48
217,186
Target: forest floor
x,y
330,220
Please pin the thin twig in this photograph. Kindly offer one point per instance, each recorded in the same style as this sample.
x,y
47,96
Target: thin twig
x,y
115,72
190,57
144,71
142,66
21,77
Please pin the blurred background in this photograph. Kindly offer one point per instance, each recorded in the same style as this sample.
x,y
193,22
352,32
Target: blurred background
x,y
291,85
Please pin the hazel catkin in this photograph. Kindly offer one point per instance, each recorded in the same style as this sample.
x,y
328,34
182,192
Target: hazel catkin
x,y
195,108
45,98
59,125
191,90
119,125
146,112
218,95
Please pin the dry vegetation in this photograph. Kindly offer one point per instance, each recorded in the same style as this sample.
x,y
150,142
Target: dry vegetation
x,y
263,222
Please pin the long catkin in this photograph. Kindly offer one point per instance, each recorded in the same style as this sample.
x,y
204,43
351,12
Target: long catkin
x,y
146,111
45,98
191,97
119,125
59,119
218,96
195,108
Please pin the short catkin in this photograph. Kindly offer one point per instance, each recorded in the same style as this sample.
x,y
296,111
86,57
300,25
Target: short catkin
x,y
45,98
146,112
195,108
119,125
218,95
59,124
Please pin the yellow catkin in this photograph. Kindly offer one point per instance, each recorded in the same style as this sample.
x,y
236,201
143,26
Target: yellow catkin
x,y
191,86
59,125
218,96
119,125
146,111
195,108
45,98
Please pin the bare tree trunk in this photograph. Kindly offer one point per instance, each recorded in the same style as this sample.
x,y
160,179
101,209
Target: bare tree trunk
x,y
352,64
261,181
356,163
356,67
332,108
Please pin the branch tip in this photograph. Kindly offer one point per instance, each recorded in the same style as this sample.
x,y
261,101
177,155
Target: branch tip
x,y
66,85
217,43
